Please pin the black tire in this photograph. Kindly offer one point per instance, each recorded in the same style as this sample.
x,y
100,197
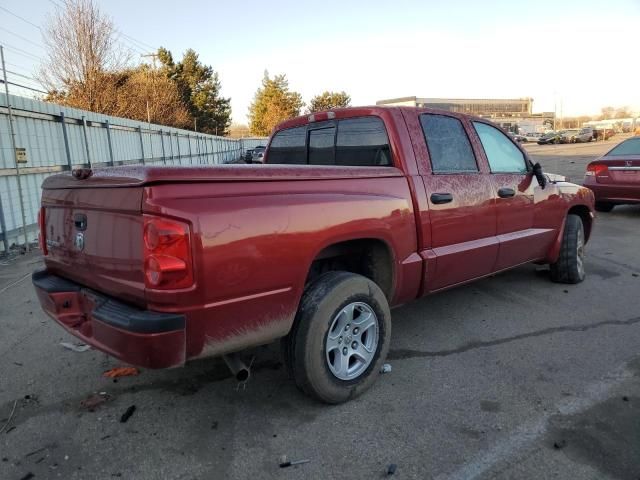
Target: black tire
x,y
304,348
569,268
604,206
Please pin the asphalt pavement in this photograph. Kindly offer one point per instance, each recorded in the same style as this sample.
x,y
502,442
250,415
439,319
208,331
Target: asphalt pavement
x,y
510,377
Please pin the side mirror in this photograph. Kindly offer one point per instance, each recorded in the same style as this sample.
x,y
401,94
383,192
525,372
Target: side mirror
x,y
540,176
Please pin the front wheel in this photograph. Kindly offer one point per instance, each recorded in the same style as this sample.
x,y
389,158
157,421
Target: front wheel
x,y
569,268
340,337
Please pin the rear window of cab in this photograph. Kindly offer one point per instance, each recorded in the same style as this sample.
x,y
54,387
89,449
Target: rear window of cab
x,y
359,141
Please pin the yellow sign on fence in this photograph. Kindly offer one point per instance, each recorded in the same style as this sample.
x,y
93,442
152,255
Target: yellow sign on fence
x,y
21,155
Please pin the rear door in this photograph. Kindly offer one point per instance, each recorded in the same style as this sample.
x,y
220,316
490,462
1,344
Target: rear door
x,y
514,187
461,202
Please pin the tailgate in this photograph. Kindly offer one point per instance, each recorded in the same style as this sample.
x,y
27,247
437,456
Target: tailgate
x,y
94,237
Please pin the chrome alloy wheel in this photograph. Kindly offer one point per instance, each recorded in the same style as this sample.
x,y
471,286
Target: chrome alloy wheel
x,y
352,341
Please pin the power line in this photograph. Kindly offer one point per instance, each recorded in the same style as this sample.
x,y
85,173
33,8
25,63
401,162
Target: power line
x,y
39,45
23,86
56,4
21,51
21,18
23,76
19,67
139,42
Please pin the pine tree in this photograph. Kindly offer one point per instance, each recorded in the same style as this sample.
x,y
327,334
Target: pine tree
x,y
199,86
272,104
328,100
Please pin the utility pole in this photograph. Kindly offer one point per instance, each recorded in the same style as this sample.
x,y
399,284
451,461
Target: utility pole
x,y
153,92
555,110
15,158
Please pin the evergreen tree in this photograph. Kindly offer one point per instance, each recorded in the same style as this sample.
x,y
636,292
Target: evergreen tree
x,y
199,87
272,104
328,100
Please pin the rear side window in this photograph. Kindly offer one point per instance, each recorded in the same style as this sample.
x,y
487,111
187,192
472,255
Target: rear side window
x,y
289,146
503,155
628,147
449,147
321,146
362,142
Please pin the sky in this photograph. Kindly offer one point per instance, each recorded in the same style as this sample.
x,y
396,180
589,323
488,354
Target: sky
x,y
572,56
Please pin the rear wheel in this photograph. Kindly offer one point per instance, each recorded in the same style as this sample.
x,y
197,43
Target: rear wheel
x,y
604,206
340,337
569,268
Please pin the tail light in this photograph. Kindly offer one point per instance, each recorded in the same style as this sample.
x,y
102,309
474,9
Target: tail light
x,y
42,236
167,254
596,170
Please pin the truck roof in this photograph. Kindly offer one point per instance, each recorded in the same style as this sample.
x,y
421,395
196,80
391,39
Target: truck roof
x,y
348,112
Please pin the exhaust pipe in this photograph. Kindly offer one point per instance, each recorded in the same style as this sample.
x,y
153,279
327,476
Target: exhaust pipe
x,y
237,367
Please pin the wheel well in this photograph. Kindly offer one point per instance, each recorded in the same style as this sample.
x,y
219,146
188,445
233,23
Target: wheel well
x,y
369,257
585,214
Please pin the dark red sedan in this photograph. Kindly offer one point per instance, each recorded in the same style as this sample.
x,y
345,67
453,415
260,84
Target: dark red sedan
x,y
615,177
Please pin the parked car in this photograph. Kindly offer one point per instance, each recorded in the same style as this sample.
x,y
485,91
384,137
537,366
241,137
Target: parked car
x,y
519,138
531,137
258,154
355,211
615,177
549,138
569,136
248,155
585,134
604,133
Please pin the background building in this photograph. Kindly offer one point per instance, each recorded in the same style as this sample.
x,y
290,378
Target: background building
x,y
513,114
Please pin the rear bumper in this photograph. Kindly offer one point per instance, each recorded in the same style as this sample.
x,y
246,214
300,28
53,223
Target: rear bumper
x,y
140,337
614,193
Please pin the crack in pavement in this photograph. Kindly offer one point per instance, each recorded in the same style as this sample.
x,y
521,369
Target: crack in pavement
x,y
403,353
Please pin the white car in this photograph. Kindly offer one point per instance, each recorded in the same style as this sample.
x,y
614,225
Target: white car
x,y
531,137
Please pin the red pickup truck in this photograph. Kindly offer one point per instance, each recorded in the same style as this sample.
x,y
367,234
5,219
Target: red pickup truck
x,y
354,211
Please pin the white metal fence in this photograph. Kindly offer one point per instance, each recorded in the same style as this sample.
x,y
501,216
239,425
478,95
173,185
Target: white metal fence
x,y
50,138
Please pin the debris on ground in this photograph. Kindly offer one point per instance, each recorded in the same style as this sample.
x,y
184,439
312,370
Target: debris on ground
x,y
95,400
121,372
127,414
35,452
13,410
28,476
76,347
284,463
391,469
625,399
634,275
559,444
386,368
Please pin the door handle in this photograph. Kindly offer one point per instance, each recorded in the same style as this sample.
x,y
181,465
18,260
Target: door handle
x,y
439,198
80,221
506,192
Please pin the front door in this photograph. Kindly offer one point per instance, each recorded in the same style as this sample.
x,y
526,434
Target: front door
x,y
514,187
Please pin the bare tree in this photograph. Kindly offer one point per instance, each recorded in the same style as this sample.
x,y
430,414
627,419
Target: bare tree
x,y
83,51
